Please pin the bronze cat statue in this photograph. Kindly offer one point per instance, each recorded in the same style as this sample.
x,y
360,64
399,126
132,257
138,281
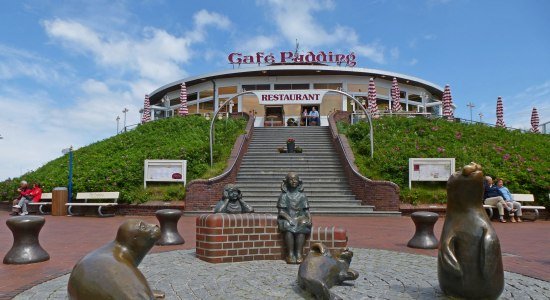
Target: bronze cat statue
x,y
111,272
320,271
469,262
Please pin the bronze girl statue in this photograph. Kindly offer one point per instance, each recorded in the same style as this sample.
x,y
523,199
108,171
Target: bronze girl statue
x,y
293,218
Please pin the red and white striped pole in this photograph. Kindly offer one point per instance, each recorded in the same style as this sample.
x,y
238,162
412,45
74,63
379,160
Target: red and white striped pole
x,y
535,120
500,113
183,111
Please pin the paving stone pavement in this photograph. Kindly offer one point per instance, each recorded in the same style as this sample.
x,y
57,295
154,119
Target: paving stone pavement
x,y
382,275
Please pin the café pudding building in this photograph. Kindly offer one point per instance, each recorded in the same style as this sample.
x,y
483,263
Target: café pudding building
x,y
285,85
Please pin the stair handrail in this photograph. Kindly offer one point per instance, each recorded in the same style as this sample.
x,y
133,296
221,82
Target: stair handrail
x,y
339,139
243,142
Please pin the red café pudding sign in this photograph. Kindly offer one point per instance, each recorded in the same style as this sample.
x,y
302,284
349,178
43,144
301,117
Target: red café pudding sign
x,y
291,57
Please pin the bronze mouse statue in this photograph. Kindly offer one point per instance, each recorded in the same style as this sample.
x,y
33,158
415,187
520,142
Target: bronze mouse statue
x,y
110,272
320,271
469,263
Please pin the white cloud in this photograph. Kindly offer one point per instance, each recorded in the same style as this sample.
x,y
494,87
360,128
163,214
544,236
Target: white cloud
x,y
15,63
296,20
394,53
155,56
413,62
258,43
374,52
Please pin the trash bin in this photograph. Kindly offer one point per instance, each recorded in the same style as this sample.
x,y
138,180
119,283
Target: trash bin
x,y
59,199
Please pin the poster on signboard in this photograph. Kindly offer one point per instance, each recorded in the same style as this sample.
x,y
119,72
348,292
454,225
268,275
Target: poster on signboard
x,y
430,169
164,171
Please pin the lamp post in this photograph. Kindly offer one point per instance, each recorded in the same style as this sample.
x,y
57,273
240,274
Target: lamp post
x,y
470,105
480,117
125,110
70,187
117,122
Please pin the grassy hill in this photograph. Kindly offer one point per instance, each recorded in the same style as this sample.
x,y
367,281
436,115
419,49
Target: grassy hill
x,y
116,163
521,159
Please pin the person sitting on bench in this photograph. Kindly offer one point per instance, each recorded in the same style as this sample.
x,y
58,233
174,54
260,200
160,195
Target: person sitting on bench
x,y
314,116
23,191
493,196
510,201
34,195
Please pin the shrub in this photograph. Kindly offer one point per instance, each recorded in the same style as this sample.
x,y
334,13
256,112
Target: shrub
x,y
520,158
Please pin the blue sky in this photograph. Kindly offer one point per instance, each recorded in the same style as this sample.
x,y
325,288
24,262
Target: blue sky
x,y
69,68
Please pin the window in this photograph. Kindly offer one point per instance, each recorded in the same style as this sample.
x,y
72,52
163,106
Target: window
x,y
224,90
402,94
292,86
327,86
256,87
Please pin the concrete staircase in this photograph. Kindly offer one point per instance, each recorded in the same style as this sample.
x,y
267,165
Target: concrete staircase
x,y
263,169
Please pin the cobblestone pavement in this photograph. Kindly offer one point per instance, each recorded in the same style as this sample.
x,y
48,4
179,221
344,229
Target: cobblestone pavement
x,y
382,275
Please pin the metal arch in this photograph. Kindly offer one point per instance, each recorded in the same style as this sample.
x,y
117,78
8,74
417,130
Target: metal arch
x,y
214,119
371,135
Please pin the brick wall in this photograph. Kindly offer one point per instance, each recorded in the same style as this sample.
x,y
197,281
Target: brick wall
x,y
244,237
201,194
384,195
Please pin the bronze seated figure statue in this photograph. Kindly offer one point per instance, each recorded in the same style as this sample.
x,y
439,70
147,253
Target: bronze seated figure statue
x,y
232,202
293,218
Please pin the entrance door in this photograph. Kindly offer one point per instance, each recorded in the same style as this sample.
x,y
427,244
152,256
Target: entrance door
x,y
274,116
306,119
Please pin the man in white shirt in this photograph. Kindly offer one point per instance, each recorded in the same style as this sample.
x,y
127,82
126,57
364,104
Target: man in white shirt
x,y
314,115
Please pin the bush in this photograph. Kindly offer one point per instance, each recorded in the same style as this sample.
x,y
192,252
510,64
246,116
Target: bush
x,y
521,159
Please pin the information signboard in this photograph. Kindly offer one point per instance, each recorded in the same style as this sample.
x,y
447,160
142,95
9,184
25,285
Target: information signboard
x,y
164,171
430,169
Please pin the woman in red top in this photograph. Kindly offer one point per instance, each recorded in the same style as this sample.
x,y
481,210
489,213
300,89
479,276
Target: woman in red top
x,y
36,192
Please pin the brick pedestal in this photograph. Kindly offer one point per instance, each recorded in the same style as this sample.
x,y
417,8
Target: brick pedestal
x,y
245,237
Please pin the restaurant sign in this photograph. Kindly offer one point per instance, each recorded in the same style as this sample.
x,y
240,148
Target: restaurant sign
x,y
281,97
288,57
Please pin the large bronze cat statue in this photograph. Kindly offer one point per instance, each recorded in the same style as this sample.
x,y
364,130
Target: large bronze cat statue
x,y
111,272
320,271
469,263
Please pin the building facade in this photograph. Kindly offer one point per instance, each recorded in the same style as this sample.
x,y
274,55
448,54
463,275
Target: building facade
x,y
208,91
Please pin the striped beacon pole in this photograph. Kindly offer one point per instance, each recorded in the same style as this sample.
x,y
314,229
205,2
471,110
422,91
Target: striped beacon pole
x,y
448,104
535,121
371,97
146,117
395,95
500,113
183,111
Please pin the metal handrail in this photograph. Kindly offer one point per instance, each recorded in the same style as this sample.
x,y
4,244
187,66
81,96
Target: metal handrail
x,y
351,164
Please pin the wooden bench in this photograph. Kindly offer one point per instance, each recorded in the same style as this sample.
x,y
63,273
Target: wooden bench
x,y
45,200
521,198
95,199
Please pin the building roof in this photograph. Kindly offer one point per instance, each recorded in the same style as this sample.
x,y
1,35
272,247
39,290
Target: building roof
x,y
295,70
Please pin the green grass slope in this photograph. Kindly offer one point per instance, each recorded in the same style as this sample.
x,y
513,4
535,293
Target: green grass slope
x,y
116,163
521,159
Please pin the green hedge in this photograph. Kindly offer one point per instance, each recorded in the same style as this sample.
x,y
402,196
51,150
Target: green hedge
x,y
116,164
521,159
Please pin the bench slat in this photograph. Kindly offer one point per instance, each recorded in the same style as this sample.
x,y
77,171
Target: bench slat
x,y
523,197
90,204
98,195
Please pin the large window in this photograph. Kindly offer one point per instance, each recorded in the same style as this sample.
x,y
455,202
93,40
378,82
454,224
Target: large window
x,y
256,87
327,86
292,86
224,90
